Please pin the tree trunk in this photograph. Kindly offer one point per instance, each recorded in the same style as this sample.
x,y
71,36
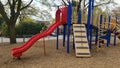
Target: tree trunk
x,y
11,30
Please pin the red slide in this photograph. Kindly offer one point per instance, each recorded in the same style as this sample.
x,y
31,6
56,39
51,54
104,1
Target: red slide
x,y
17,52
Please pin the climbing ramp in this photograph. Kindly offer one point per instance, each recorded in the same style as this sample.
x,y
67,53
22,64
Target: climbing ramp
x,y
80,40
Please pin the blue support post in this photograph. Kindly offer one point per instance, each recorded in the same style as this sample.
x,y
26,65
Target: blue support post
x,y
101,18
92,4
73,43
109,33
115,34
57,32
69,24
79,17
88,22
68,39
90,41
96,36
64,34
109,30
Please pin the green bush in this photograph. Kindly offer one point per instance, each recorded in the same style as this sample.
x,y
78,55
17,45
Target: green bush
x,y
29,28
24,28
4,29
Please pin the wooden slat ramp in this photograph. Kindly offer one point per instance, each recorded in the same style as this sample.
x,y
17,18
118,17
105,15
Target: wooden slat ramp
x,y
80,39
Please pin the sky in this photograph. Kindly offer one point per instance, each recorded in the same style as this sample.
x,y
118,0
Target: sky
x,y
111,7
118,1
57,2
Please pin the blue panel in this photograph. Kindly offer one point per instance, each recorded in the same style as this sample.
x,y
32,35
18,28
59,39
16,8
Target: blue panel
x,y
104,37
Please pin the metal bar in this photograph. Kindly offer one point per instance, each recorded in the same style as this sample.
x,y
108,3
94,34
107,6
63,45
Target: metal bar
x,y
57,38
115,35
64,34
89,21
79,16
69,24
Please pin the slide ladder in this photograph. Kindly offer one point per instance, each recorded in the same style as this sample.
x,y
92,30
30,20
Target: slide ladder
x,y
81,42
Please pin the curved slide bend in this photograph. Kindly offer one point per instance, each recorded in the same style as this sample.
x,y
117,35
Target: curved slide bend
x,y
17,52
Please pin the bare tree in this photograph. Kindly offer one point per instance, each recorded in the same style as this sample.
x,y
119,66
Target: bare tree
x,y
15,7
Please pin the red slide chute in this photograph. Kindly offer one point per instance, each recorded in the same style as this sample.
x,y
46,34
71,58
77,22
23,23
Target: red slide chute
x,y
61,17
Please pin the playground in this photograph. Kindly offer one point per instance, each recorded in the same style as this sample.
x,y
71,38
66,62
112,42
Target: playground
x,y
35,58
87,45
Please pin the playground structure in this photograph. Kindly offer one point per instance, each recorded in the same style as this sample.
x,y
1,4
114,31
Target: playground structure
x,y
105,30
82,38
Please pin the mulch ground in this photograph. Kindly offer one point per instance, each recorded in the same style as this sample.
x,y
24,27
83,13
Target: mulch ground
x,y
35,57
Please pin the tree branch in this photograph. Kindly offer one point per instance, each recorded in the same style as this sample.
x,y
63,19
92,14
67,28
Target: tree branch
x,y
12,7
3,13
26,5
97,5
9,2
12,11
64,2
102,4
19,5
79,5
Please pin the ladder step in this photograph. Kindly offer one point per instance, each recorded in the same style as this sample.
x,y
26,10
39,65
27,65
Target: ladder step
x,y
82,47
82,34
80,37
81,41
79,31
81,44
79,26
83,53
